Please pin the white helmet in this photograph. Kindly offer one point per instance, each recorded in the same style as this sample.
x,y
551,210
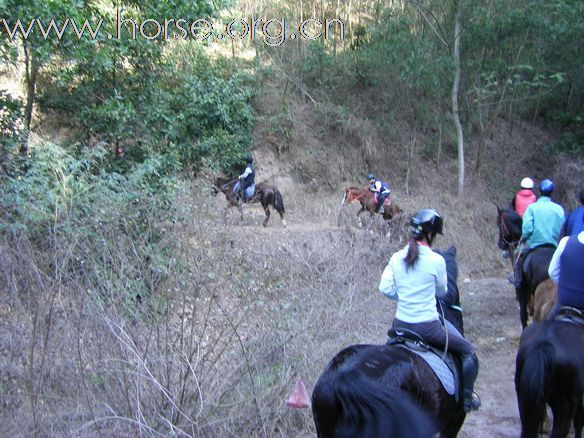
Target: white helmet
x,y
527,183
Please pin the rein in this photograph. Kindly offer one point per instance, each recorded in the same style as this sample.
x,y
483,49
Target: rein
x,y
504,230
227,184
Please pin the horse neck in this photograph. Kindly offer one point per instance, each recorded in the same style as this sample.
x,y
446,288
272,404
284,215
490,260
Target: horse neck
x,y
355,193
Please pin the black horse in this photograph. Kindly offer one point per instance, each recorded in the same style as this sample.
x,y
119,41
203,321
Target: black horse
x,y
265,194
360,393
535,265
509,224
535,271
550,370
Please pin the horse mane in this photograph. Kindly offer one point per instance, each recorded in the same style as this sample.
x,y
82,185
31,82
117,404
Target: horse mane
x,y
369,409
451,302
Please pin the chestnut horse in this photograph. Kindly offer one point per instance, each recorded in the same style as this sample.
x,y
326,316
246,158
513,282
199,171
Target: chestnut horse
x,y
367,199
265,194
544,299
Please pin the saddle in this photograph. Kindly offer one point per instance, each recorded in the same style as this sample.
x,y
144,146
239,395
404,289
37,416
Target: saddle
x,y
444,366
571,315
386,201
529,256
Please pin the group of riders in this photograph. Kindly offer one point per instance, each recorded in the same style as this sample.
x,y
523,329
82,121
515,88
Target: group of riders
x,y
244,187
544,224
416,275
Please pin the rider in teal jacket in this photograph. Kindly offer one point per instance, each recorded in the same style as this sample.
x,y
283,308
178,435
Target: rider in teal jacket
x,y
542,223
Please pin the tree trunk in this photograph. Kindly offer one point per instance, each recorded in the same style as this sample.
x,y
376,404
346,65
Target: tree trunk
x,y
455,90
30,78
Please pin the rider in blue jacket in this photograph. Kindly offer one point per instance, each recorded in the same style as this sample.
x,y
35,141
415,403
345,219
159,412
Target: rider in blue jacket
x,y
245,187
381,188
575,220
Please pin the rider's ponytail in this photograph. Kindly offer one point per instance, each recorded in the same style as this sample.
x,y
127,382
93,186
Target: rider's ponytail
x,y
412,255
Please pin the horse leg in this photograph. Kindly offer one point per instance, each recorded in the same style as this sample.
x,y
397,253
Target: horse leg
x,y
267,210
240,207
359,217
282,218
523,302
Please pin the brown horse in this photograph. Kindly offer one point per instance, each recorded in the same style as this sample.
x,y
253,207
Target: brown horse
x,y
367,199
265,194
544,299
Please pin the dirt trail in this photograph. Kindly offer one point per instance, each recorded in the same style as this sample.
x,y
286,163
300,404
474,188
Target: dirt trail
x,y
492,324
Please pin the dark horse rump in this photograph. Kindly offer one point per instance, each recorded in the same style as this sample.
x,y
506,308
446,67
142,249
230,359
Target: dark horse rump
x,y
267,195
356,397
535,271
374,401
550,370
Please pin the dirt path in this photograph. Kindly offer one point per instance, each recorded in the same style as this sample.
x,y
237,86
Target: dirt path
x,y
492,324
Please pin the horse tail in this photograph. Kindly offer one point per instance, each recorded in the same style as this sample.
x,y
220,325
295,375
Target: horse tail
x,y
532,382
351,404
279,201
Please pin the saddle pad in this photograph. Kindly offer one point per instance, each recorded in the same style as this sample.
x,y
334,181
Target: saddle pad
x,y
439,367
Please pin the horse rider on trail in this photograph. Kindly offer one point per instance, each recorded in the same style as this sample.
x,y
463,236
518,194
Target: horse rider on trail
x,y
542,223
381,188
524,197
415,276
245,186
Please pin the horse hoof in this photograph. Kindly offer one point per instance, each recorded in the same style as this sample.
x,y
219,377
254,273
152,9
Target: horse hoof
x,y
284,223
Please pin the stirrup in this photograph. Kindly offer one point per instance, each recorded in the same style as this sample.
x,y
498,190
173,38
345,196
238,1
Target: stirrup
x,y
473,404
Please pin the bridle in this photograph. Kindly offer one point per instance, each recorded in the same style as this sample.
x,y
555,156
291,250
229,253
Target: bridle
x,y
504,230
350,196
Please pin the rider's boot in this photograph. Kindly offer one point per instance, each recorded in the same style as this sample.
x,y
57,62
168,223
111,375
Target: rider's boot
x,y
470,370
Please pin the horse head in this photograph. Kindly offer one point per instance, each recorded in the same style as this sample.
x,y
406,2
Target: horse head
x,y
352,194
509,224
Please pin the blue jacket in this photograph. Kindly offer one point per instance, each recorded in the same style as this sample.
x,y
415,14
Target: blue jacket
x,y
574,222
571,281
542,223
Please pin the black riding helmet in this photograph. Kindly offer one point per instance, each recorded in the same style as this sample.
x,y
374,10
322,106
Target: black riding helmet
x,y
370,177
249,158
426,222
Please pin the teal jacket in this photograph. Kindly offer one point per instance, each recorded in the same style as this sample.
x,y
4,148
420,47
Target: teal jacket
x,y
542,223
